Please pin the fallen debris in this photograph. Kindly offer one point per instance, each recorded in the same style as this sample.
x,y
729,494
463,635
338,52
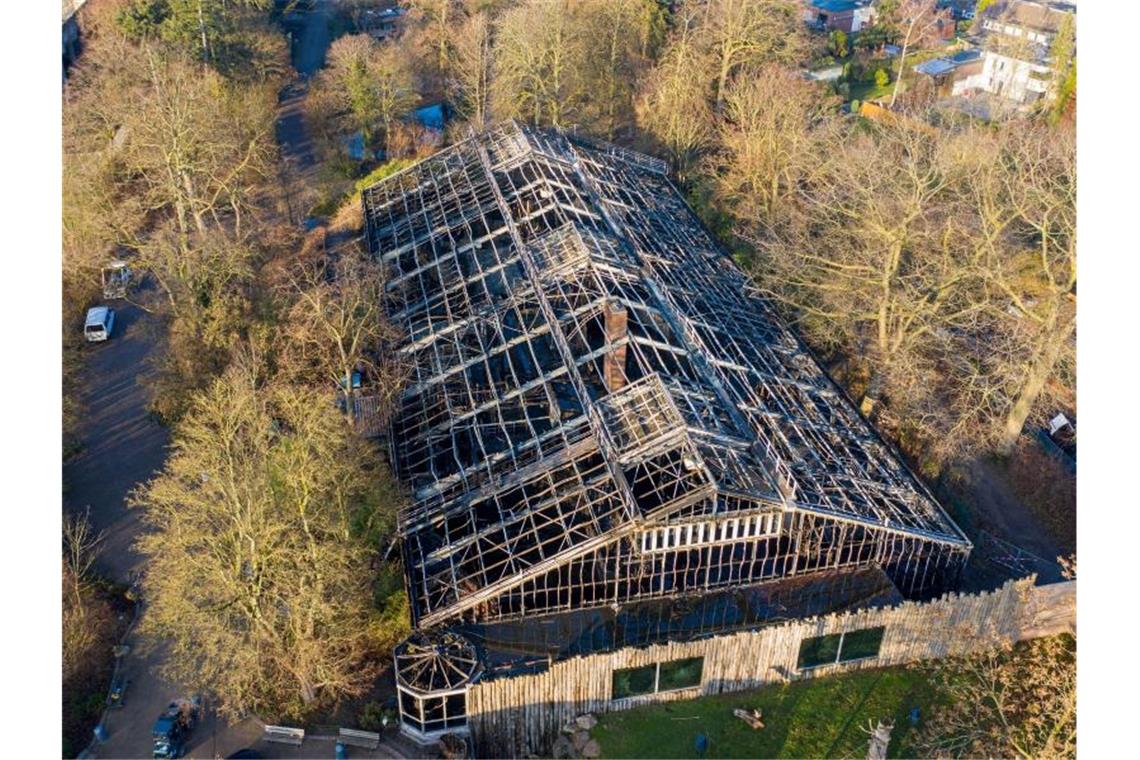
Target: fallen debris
x,y
753,718
880,738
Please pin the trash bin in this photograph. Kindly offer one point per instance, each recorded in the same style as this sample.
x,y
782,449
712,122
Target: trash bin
x,y
100,733
341,751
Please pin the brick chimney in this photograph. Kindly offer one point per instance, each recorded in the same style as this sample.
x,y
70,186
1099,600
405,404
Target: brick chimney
x,y
617,327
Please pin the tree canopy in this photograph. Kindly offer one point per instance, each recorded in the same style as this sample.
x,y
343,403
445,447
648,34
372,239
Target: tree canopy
x,y
256,578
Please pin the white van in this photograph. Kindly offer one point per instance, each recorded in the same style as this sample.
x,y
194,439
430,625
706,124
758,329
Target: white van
x,y
100,323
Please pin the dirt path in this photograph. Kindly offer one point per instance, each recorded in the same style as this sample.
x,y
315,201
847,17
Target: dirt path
x,y
1003,514
311,40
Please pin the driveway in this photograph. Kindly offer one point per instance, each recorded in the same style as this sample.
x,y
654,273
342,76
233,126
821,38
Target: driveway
x,y
311,40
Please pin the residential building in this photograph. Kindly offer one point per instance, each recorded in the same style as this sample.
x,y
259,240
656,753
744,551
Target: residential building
x,y
845,15
383,24
1014,40
952,74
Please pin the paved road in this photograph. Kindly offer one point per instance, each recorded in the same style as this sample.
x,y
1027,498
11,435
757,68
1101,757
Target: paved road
x,y
123,447
310,43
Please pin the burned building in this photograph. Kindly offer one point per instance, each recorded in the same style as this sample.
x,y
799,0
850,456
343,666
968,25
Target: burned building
x,y
605,426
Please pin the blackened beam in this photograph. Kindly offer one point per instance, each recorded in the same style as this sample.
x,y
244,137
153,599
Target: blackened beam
x,y
552,374
550,461
505,584
682,332
605,445
658,518
838,397
537,468
957,540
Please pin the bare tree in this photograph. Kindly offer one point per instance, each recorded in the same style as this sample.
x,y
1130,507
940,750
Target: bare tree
x,y
1036,272
673,106
201,147
82,545
766,141
1006,702
371,83
471,70
873,248
618,31
198,274
741,33
337,324
257,581
438,20
539,54
914,20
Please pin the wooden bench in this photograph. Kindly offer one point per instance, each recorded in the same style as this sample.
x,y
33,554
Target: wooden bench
x,y
285,735
363,739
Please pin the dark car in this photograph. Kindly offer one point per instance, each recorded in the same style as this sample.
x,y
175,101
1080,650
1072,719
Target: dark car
x,y
173,727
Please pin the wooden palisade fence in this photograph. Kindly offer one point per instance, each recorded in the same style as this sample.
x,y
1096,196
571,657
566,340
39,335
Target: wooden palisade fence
x,y
520,715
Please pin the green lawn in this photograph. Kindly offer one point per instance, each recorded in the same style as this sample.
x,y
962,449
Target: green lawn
x,y
808,719
865,91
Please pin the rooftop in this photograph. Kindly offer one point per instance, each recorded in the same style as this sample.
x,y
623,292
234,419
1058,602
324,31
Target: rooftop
x,y
939,66
839,6
1040,16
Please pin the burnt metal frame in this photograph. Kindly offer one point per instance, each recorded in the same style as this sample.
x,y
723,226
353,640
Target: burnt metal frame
x,y
544,450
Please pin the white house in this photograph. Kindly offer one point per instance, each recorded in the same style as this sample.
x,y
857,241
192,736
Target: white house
x,y
1020,81
1016,44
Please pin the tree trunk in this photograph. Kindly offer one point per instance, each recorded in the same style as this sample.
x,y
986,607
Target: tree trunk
x,y
202,28
722,79
308,692
902,62
1034,382
191,195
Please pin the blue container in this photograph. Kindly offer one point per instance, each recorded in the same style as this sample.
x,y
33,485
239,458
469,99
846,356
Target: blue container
x,y
100,733
341,751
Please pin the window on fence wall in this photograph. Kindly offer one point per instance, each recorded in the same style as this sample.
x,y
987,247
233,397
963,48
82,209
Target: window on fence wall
x,y
840,647
659,677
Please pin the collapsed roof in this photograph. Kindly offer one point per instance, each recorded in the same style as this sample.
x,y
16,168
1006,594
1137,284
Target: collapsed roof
x,y
601,407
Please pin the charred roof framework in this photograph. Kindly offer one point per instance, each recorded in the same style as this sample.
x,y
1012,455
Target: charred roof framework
x,y
602,408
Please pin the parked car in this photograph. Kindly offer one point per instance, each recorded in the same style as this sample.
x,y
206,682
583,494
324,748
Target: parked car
x,y
100,323
174,726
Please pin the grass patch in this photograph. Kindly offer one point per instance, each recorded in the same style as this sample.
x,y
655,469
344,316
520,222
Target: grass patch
x,y
864,91
383,171
333,203
821,717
